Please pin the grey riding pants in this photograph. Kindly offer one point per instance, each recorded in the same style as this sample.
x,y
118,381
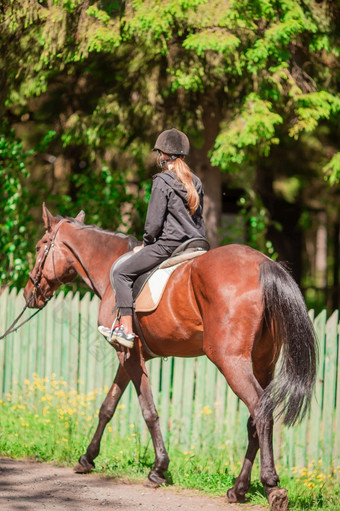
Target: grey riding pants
x,y
127,272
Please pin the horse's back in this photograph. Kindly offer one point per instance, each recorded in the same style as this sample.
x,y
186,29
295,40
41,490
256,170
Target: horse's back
x,y
202,291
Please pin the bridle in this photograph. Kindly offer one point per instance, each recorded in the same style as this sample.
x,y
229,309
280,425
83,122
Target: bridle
x,y
36,279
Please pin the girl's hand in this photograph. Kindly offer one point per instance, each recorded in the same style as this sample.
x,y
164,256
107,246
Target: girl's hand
x,y
137,249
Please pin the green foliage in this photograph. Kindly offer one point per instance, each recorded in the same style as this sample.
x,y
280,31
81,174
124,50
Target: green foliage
x,y
313,107
332,170
253,127
13,198
212,40
257,221
105,77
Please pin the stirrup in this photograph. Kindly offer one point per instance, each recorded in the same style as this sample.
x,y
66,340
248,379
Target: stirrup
x,y
108,333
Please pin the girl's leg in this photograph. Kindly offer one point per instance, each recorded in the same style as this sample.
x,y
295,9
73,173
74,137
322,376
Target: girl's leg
x,y
127,272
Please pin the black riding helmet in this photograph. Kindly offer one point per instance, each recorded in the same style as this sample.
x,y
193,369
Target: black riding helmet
x,y
173,142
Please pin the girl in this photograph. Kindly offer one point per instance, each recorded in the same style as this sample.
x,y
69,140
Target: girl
x,y
174,215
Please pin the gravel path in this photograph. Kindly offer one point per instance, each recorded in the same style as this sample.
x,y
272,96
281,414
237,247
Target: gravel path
x,y
32,486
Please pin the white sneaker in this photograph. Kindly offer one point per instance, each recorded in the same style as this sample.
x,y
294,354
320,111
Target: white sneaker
x,y
120,336
106,332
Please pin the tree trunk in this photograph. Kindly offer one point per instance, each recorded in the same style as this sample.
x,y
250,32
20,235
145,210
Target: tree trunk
x,y
287,241
210,176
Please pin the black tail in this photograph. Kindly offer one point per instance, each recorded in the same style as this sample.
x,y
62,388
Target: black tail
x,y
290,392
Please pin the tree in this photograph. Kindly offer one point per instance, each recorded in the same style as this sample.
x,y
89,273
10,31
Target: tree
x,y
14,208
251,82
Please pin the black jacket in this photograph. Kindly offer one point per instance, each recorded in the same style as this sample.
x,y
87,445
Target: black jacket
x,y
168,218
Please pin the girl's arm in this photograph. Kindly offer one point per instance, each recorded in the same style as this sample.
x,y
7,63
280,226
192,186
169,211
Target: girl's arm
x,y
155,215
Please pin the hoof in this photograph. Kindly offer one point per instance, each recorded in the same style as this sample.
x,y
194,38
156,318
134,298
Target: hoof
x,y
83,466
278,499
154,480
232,497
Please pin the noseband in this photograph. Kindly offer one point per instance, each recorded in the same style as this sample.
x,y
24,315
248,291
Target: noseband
x,y
36,279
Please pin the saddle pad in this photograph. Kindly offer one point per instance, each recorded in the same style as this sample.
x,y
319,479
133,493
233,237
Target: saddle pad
x,y
152,291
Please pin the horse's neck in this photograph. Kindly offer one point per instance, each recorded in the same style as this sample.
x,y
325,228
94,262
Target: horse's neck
x,y
95,251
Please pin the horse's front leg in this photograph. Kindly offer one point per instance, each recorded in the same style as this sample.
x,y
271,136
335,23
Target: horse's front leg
x,y
86,463
135,366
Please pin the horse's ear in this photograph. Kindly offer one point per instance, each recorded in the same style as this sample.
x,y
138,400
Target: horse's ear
x,y
48,218
80,217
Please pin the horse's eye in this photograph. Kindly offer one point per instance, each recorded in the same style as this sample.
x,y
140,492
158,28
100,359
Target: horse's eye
x,y
37,249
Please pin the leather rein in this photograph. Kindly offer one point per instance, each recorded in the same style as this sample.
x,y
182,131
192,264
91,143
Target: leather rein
x,y
36,279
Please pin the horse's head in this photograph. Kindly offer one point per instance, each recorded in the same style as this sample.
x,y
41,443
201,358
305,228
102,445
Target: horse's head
x,y
53,265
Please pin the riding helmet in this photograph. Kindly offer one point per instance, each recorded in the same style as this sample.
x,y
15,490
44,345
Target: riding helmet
x,y
172,142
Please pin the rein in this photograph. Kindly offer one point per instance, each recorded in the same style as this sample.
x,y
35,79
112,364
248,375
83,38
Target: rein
x,y
36,283
11,329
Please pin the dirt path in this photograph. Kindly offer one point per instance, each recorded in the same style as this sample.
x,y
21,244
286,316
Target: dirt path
x,y
30,486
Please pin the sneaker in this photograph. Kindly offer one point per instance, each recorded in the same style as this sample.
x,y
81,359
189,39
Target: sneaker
x,y
108,333
123,338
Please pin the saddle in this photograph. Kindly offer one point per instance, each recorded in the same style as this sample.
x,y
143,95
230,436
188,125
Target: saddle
x,y
148,288
147,297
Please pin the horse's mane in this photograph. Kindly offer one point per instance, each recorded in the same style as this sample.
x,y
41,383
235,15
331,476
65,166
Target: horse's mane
x,y
133,242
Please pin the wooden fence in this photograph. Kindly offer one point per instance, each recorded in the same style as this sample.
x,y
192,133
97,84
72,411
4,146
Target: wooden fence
x,y
191,396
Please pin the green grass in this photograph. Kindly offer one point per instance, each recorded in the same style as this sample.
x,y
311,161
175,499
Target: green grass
x,y
47,422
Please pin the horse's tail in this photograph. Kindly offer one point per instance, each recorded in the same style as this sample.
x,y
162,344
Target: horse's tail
x,y
290,392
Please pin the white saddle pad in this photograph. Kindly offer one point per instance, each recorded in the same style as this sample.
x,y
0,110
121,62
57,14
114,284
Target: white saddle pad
x,y
153,290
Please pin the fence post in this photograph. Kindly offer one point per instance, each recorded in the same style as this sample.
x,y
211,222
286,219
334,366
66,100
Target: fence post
x,y
317,399
4,325
329,390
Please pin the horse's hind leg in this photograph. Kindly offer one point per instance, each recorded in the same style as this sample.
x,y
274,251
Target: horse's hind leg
x,y
263,361
233,358
135,366
242,483
277,497
248,389
86,461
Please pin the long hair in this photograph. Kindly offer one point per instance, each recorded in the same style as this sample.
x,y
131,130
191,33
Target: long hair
x,y
184,175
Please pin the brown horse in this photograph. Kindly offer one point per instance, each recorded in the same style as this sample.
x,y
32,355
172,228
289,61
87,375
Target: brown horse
x,y
232,304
